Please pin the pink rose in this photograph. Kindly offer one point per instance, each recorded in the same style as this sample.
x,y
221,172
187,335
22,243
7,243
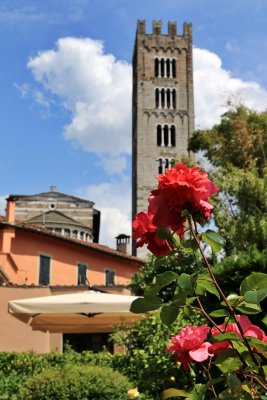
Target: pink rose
x,y
145,231
248,329
189,345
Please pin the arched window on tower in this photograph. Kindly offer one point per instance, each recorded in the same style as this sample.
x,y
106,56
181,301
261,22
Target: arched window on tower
x,y
159,137
156,67
160,166
166,135
168,92
173,136
157,97
162,98
167,163
173,68
168,67
162,69
174,98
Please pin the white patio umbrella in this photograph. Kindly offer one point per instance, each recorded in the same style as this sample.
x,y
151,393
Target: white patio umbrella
x,y
88,311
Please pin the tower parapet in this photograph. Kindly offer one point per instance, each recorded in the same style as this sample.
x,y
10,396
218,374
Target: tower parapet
x,y
141,27
172,29
157,28
157,25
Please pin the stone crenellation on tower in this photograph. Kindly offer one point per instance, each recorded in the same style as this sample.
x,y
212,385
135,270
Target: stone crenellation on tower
x,y
162,104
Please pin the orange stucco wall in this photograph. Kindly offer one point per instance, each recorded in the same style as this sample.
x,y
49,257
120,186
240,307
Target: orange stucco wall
x,y
19,259
26,247
18,336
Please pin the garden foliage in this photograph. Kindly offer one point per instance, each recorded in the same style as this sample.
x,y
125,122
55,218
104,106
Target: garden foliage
x,y
75,383
230,349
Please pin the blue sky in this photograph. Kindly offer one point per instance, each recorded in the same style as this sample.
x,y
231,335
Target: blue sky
x,y
65,88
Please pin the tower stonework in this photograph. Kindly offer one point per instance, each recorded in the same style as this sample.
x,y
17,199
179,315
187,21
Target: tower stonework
x,y
162,104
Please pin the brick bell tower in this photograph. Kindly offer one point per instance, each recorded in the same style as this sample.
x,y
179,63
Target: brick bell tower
x,y
162,106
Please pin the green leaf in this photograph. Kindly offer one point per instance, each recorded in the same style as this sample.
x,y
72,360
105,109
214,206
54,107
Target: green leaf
x,y
246,356
161,281
249,308
190,300
186,282
180,298
228,362
225,336
255,296
264,320
213,238
189,244
234,383
256,280
204,286
143,305
167,394
234,299
258,344
169,313
199,391
246,387
219,313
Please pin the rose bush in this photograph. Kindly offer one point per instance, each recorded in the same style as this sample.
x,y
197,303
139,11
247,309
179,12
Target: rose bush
x,y
233,354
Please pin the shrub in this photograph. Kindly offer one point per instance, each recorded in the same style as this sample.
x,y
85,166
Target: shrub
x,y
146,362
75,383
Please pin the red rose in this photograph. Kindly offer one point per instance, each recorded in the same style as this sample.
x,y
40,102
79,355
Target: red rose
x,y
189,345
181,188
247,328
145,231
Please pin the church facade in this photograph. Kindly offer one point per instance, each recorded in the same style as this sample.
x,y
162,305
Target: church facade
x,y
162,105
60,213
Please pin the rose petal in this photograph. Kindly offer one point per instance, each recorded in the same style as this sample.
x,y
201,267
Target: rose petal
x,y
202,353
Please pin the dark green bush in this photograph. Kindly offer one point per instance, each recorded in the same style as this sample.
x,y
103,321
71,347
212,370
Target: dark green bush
x,y
75,383
15,368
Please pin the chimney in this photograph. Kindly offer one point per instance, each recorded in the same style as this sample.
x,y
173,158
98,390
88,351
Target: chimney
x,y
10,211
123,243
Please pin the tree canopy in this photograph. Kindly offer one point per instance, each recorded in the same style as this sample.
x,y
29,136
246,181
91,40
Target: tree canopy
x,y
237,151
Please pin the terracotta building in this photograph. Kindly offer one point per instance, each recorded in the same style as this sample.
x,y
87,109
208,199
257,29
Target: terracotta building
x,y
36,261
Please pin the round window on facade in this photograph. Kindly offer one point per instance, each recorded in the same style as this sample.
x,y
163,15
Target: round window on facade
x,y
52,206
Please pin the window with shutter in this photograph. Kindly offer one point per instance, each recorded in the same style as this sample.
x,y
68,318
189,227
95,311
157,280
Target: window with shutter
x,y
44,270
110,277
82,276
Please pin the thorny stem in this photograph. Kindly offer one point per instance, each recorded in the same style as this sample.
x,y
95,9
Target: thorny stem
x,y
256,379
193,227
210,378
201,308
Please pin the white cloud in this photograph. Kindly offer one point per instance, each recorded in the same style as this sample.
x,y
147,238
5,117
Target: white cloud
x,y
95,87
214,86
113,223
113,199
113,165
